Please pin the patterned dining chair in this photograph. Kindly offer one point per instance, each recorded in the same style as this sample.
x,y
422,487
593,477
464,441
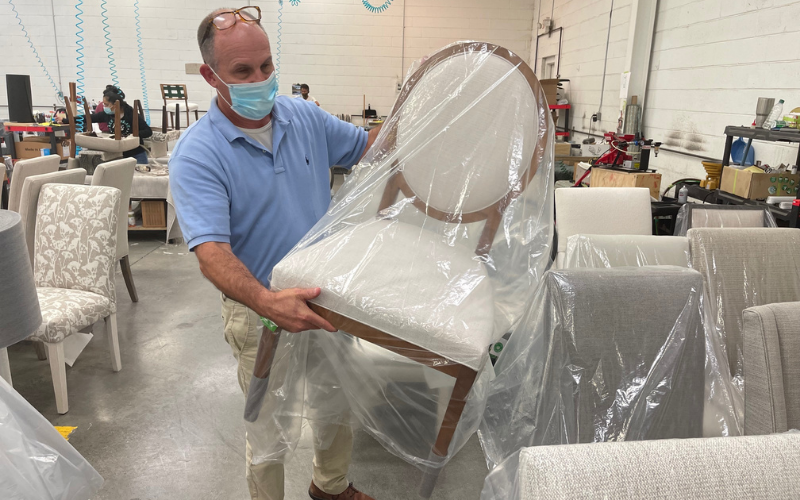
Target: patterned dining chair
x,y
74,269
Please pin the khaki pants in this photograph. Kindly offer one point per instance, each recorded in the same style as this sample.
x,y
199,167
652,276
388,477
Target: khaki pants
x,y
265,481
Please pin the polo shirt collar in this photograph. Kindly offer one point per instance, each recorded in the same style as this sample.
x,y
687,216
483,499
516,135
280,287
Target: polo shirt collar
x,y
281,117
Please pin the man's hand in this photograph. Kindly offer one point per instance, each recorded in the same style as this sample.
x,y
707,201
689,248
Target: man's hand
x,y
288,309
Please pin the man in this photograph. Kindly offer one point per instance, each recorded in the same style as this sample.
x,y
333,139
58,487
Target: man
x,y
304,94
249,179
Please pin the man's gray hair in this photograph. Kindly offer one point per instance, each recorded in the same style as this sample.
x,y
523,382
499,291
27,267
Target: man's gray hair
x,y
206,33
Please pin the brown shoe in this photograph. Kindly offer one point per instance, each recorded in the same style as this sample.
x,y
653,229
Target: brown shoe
x,y
349,494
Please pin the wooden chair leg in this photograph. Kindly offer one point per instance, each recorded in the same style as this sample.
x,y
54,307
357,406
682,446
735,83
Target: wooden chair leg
x,y
171,121
113,342
458,399
196,115
5,367
58,370
188,119
41,350
125,265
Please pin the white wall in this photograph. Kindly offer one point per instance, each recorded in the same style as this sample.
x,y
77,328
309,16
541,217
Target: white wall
x,y
337,47
712,60
583,50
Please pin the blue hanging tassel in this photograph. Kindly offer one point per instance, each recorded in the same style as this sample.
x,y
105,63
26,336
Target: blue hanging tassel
x,y
378,9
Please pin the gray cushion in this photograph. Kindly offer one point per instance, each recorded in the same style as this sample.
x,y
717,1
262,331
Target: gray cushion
x,y
753,467
615,324
772,368
744,268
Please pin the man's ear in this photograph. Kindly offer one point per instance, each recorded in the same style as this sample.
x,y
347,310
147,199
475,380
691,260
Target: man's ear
x,y
209,75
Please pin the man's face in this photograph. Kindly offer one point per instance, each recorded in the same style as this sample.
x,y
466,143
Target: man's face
x,y
304,93
243,56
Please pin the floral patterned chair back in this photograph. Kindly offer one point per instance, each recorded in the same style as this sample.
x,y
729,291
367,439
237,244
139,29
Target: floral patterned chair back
x,y
76,238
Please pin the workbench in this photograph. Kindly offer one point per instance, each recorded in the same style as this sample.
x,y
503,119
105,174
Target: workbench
x,y
47,129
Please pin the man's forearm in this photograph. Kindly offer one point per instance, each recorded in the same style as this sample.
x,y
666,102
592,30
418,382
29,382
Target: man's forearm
x,y
230,275
371,136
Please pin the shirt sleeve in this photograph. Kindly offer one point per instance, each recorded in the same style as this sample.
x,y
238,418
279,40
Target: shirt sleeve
x,y
202,202
346,142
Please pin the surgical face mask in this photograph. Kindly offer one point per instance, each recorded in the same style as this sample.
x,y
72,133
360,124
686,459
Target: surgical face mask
x,y
253,101
108,110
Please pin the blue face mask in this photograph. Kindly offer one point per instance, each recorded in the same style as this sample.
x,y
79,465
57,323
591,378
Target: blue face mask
x,y
108,111
253,101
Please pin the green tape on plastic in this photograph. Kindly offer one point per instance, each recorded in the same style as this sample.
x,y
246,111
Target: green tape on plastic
x,y
269,324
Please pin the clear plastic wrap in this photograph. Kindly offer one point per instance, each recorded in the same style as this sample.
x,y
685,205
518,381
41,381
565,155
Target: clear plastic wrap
x,y
603,355
36,462
425,257
743,268
594,250
701,215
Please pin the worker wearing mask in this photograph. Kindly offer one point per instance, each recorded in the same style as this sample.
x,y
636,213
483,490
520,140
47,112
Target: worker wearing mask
x,y
249,180
304,94
106,115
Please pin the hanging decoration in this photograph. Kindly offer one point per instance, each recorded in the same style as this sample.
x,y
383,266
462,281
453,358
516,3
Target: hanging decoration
x,y
112,65
145,99
79,119
376,9
59,94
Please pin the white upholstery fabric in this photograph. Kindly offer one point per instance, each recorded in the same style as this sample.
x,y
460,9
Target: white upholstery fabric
x,y
465,143
29,198
401,289
118,174
756,468
171,106
593,250
609,211
24,169
65,312
107,143
708,217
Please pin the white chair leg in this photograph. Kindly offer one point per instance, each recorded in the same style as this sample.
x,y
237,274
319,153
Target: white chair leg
x,y
113,342
58,369
5,367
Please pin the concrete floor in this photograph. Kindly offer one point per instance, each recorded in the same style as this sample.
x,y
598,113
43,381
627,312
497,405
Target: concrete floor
x,y
169,425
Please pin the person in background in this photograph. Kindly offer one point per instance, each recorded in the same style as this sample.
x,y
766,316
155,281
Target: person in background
x,y
304,94
106,115
103,125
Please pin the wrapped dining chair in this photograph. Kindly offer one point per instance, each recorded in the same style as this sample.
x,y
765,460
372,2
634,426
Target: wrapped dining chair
x,y
429,251
601,355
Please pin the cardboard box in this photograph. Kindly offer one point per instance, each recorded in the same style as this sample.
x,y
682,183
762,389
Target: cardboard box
x,y
604,177
154,214
33,147
758,185
550,88
563,148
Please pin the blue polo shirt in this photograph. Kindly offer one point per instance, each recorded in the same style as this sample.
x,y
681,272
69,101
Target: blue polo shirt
x,y
228,188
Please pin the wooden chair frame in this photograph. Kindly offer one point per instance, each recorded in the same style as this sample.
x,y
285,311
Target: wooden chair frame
x,y
73,130
464,375
185,100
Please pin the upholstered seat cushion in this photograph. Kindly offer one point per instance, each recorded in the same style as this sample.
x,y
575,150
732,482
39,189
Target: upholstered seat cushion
x,y
107,143
64,312
171,106
403,280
